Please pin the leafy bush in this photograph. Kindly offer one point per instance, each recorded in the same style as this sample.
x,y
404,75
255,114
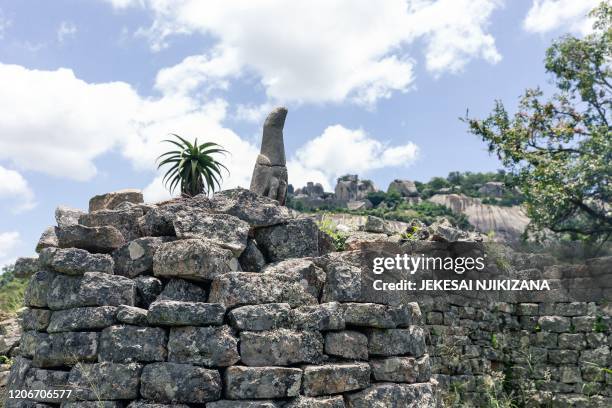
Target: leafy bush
x,y
338,237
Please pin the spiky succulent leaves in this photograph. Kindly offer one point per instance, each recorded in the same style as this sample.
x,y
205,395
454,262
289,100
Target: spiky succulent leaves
x,y
192,167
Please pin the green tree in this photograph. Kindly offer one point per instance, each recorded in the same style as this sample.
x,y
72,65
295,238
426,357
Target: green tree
x,y
559,149
192,167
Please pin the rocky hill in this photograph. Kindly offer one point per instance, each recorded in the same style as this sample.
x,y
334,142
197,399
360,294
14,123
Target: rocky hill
x,y
506,223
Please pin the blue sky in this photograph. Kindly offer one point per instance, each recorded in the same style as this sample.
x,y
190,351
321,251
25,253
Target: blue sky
x,y
88,89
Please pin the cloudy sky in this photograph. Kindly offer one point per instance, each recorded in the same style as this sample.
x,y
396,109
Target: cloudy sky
x,y
88,89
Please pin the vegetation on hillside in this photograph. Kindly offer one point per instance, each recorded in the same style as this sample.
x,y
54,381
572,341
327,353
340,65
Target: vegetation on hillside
x,y
11,292
559,149
396,209
468,183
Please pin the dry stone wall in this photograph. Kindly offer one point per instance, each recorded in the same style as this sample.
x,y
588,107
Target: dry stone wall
x,y
222,302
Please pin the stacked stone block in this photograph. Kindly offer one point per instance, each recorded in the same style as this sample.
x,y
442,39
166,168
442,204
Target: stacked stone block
x,y
560,351
222,302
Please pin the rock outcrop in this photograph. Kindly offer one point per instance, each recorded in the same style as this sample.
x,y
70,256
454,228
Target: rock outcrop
x,y
505,223
351,188
270,172
406,188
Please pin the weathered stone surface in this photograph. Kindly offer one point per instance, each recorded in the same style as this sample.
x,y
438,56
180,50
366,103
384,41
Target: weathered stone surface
x,y
175,313
270,172
255,209
92,404
105,381
209,346
126,221
159,219
244,404
295,239
375,224
183,291
74,261
10,332
38,288
261,317
144,404
19,370
401,369
335,378
376,315
224,230
131,315
28,343
280,347
343,281
136,257
321,402
48,380
443,231
251,259
393,395
350,188
82,318
406,188
302,270
557,324
347,344
392,342
326,316
26,267
126,344
262,382
147,290
47,239
194,259
35,319
110,201
91,289
65,216
93,239
60,349
170,383
248,288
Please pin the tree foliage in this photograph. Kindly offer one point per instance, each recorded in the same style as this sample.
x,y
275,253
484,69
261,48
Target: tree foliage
x,y
560,148
192,167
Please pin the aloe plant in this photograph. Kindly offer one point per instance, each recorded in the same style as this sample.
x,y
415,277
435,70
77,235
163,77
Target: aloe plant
x,y
192,167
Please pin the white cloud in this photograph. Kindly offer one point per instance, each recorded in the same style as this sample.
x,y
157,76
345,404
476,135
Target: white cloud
x,y
66,30
65,124
339,150
8,243
253,113
569,15
14,187
197,70
326,51
455,32
61,128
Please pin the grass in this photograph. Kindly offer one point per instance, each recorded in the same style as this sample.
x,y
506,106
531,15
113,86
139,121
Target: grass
x,y
11,293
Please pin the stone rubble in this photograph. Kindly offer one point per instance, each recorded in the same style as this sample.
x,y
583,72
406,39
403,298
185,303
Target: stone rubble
x,y
232,302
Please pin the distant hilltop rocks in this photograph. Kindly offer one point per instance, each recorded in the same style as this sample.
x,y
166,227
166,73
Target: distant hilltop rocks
x,y
350,188
503,222
350,193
